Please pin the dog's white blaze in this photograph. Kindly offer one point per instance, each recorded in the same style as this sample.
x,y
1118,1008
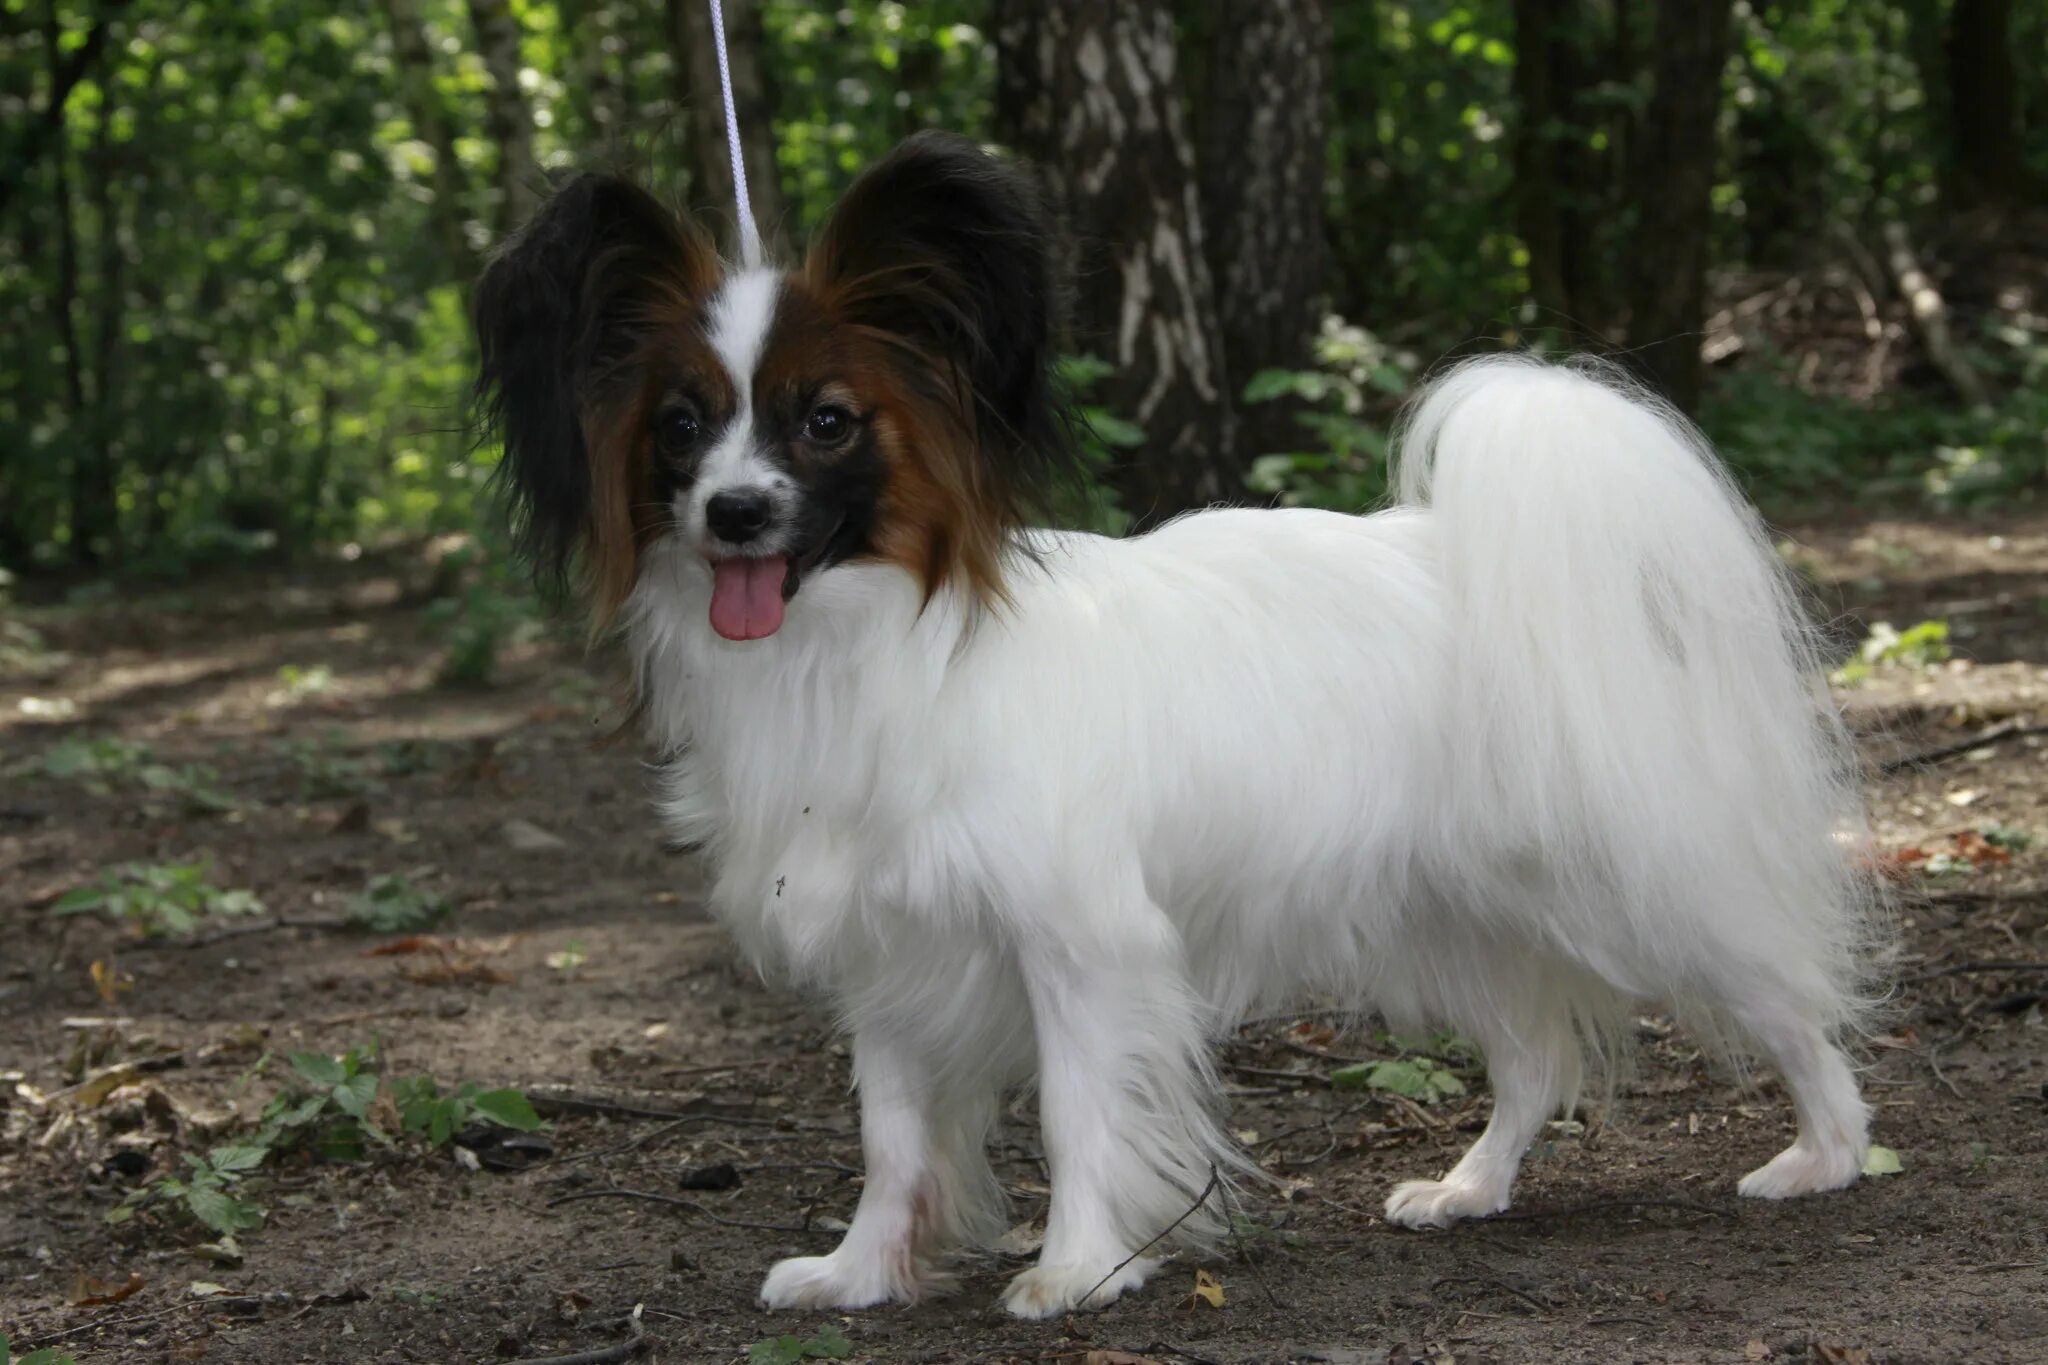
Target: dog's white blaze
x,y
739,319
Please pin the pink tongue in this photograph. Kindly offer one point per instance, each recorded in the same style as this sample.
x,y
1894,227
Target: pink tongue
x,y
746,596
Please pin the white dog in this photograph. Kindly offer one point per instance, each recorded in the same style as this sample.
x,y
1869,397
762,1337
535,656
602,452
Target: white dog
x,y
1541,742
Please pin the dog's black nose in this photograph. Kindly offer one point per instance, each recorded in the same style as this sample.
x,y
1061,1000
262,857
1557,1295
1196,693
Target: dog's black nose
x,y
738,515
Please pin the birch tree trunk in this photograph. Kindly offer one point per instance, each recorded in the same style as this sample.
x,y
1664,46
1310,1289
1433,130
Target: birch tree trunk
x,y
1264,135
1090,92
510,122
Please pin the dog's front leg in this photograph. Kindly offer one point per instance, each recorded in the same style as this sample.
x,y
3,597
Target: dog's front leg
x,y
1122,1096
904,1211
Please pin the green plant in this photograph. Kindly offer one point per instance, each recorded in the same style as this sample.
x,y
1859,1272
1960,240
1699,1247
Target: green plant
x,y
103,765
493,611
392,904
422,1108
1917,647
94,764
325,1107
1422,1079
2008,838
162,898
827,1343
48,1355
1344,406
325,774
296,684
1093,506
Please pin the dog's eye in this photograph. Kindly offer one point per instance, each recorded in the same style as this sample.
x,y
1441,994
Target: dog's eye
x,y
829,425
677,429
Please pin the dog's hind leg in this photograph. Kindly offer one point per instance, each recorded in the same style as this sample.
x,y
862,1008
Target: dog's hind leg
x,y
1834,1122
1533,1062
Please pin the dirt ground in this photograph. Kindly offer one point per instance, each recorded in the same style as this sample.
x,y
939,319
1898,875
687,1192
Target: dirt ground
x,y
1626,1243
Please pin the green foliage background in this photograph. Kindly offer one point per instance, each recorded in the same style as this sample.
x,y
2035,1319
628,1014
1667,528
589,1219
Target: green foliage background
x,y
266,349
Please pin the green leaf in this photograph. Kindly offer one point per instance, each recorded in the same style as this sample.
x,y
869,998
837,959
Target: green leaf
x,y
1882,1161
1416,1078
391,904
1115,431
828,1343
238,1157
81,900
318,1068
507,1108
343,1142
355,1095
442,1120
221,1211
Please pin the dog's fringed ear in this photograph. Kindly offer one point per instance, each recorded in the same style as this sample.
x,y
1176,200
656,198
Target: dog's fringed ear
x,y
558,312
952,252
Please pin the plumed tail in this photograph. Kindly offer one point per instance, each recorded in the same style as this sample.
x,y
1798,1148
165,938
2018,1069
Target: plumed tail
x,y
1639,694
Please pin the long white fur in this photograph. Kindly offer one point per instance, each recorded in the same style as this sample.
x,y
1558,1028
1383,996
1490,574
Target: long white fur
x,y
1542,742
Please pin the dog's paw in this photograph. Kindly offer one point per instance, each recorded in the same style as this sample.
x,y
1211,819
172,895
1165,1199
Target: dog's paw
x,y
829,1282
1046,1291
1802,1170
1440,1203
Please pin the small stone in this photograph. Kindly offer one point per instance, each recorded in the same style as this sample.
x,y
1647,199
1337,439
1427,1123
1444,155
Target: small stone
x,y
718,1175
528,837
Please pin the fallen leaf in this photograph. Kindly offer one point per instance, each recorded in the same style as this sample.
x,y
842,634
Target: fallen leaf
x,y
1881,1161
1208,1289
105,1082
110,981
411,943
87,1292
1119,1358
1310,1033
1966,796
1757,1349
1021,1240
206,1289
527,837
226,1252
1840,1355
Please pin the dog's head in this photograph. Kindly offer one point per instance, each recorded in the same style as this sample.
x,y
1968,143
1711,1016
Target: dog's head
x,y
891,400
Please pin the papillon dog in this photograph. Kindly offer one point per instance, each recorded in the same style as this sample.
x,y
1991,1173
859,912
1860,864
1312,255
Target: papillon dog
x,y
1540,745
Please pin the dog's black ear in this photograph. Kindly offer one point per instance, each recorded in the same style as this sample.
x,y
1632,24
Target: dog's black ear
x,y
558,311
953,252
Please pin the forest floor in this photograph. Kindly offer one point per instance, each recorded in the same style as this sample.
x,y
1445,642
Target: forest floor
x,y
577,962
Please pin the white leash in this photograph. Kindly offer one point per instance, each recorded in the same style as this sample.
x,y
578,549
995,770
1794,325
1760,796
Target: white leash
x,y
750,236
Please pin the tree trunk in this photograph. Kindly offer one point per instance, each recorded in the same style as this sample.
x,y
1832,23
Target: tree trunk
x,y
1539,209
108,392
1674,184
594,84
1264,138
520,185
415,69
1363,174
66,70
87,509
697,95
1088,90
1990,169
